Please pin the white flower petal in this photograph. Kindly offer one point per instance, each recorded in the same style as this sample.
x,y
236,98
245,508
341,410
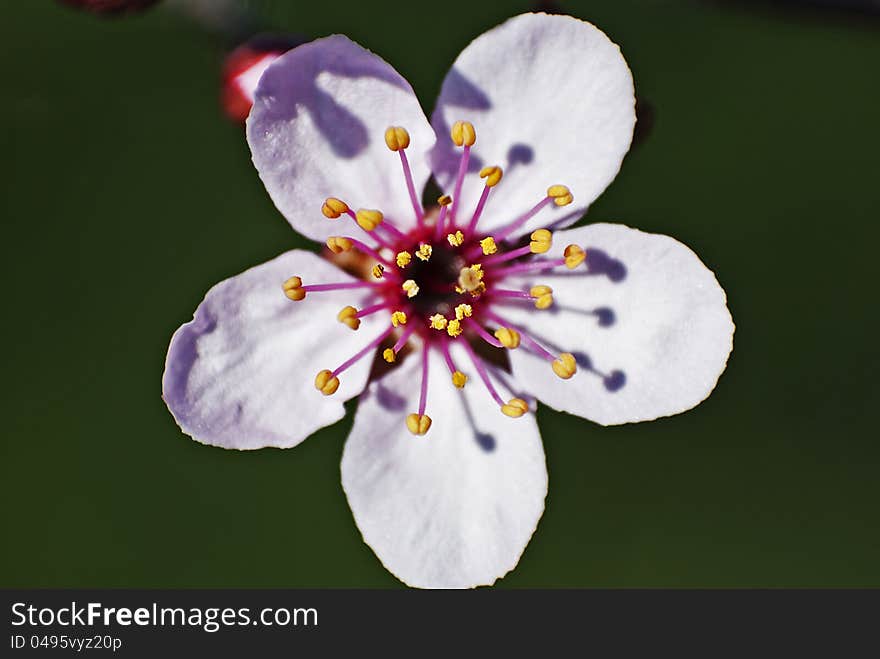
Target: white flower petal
x,y
317,130
552,101
241,373
650,319
454,508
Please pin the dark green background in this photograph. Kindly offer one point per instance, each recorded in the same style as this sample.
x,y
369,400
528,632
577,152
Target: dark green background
x,y
126,195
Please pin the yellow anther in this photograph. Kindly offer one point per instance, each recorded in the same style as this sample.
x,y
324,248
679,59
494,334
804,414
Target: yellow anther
x,y
424,252
333,208
455,239
398,318
378,271
444,200
470,278
293,289
369,219
463,133
459,379
488,245
326,382
515,408
561,195
389,355
509,337
418,424
492,174
542,241
574,256
463,311
396,138
453,329
338,244
348,317
438,321
543,296
403,259
411,288
565,366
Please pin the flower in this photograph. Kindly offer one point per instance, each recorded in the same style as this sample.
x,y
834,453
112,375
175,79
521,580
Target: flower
x,y
444,467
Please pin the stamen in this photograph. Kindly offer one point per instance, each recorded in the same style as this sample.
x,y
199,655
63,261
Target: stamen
x,y
463,134
453,328
515,408
424,252
561,195
397,139
488,338
535,265
398,318
484,375
444,202
455,239
574,256
542,295
339,244
459,379
470,279
372,345
368,219
378,271
558,194
317,288
293,289
398,346
419,423
366,311
389,355
488,246
463,311
327,382
403,259
493,175
411,288
333,208
509,337
438,321
563,365
349,316
541,241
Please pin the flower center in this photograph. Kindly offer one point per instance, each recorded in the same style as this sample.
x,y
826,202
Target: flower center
x,y
444,281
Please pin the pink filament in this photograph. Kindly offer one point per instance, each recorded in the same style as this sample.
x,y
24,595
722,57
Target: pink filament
x,y
543,264
484,376
501,292
441,220
366,311
407,173
315,288
447,356
462,170
488,338
523,335
506,256
479,211
358,355
362,247
516,224
423,395
397,347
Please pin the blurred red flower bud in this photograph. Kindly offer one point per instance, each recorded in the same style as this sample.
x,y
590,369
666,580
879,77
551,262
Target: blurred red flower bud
x,y
243,67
